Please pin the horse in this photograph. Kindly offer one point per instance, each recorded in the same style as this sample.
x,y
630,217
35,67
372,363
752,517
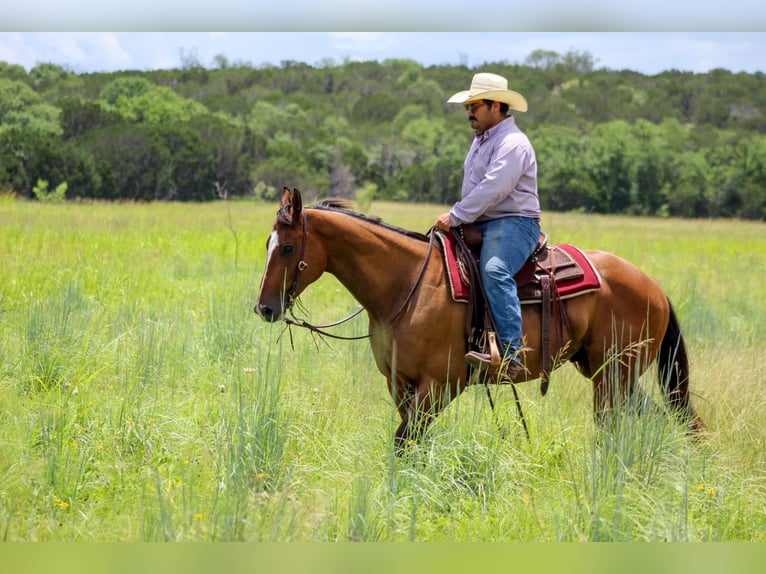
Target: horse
x,y
417,331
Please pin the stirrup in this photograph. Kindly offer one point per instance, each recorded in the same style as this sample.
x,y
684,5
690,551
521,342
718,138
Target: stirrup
x,y
487,356
495,358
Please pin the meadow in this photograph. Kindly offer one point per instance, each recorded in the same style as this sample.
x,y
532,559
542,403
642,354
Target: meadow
x,y
141,399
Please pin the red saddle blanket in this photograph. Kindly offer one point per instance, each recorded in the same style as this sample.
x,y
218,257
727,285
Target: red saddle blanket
x,y
573,272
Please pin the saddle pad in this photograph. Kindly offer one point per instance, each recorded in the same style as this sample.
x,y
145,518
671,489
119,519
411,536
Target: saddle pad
x,y
453,267
575,274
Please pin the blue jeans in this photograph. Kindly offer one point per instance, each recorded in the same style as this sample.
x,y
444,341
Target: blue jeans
x,y
507,244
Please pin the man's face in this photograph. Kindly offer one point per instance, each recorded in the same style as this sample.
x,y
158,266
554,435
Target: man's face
x,y
481,115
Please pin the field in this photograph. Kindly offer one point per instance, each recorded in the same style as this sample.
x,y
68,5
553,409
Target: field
x,y
141,399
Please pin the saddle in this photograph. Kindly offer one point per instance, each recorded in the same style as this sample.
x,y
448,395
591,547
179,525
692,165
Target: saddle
x,y
551,274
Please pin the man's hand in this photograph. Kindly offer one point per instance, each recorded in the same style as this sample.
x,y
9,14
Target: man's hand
x,y
443,222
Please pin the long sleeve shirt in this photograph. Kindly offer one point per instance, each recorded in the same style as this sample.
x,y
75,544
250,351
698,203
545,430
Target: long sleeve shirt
x,y
500,177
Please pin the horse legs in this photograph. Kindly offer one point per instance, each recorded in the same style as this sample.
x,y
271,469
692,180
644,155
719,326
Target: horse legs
x,y
615,381
418,407
612,393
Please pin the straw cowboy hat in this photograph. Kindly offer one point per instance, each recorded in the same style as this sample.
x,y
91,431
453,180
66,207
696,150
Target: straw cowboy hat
x,y
487,86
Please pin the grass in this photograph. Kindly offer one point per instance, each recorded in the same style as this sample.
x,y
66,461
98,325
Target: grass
x,y
142,400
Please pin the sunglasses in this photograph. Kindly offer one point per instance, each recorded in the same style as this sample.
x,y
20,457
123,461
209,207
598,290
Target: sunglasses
x,y
475,106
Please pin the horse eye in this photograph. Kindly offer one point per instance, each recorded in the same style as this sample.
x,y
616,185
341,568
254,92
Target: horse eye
x,y
288,249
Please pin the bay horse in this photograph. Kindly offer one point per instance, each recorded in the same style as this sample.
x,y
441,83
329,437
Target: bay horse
x,y
417,330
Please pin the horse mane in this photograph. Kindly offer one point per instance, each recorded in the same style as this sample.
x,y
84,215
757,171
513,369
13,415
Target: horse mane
x,y
345,206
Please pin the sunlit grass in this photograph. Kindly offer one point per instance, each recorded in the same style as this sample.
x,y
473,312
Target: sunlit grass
x,y
141,399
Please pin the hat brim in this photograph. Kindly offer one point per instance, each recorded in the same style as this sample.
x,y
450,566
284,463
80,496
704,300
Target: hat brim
x,y
514,100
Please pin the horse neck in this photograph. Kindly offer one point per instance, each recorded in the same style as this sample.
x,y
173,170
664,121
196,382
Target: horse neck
x,y
376,264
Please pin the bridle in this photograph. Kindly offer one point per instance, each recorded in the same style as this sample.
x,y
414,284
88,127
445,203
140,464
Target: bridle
x,y
292,294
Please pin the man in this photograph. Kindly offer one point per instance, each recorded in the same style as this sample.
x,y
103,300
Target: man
x,y
499,195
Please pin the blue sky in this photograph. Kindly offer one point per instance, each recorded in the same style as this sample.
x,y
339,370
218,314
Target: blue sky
x,y
646,52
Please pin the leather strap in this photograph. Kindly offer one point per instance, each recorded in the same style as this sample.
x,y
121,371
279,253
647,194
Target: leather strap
x,y
545,327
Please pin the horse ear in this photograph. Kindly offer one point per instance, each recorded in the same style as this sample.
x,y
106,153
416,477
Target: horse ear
x,y
297,205
286,196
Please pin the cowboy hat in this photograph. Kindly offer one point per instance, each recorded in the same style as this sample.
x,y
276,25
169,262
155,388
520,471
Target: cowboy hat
x,y
485,86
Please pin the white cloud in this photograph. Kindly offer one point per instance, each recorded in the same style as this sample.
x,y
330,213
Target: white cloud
x,y
80,48
648,53
362,41
82,51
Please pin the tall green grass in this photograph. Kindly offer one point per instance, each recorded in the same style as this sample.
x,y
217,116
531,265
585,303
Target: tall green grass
x,y
141,399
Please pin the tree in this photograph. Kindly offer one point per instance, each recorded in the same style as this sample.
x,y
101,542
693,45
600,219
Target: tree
x,y
13,71
79,116
21,107
26,157
46,75
192,167
610,154
125,88
542,59
132,161
564,182
139,100
692,179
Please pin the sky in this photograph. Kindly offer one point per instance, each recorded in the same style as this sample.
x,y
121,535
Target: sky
x,y
645,52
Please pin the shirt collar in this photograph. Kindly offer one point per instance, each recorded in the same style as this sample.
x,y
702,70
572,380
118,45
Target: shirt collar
x,y
485,135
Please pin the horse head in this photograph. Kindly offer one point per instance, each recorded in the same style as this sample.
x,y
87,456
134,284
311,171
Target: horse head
x,y
288,271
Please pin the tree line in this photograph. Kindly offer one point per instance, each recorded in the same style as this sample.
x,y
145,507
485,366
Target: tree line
x,y
672,144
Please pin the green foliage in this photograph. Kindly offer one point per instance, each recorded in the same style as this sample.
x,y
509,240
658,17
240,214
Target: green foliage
x,y
45,195
125,88
608,141
45,75
21,108
139,100
13,71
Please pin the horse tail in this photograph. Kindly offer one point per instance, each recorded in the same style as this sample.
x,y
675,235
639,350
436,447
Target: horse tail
x,y
673,362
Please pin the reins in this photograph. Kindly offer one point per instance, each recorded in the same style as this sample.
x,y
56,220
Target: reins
x,y
320,329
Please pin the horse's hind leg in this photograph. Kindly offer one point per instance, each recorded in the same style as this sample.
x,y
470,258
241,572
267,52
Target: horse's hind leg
x,y
613,394
615,383
592,366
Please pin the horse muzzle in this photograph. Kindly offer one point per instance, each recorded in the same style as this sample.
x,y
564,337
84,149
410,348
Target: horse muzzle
x,y
268,313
